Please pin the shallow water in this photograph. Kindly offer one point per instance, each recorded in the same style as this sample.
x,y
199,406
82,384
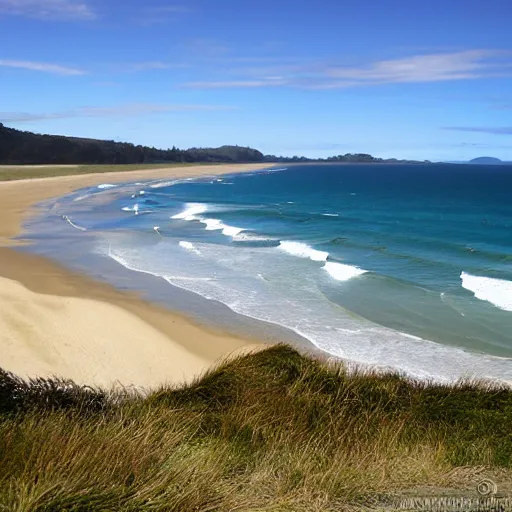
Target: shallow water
x,y
399,266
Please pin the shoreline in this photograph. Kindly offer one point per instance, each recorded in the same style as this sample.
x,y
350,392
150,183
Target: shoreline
x,y
56,322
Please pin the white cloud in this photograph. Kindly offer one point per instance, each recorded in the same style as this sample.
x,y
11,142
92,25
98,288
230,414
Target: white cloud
x,y
435,67
419,68
41,66
131,110
51,10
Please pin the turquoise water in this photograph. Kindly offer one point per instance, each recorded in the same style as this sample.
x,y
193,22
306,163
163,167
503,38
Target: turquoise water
x,y
407,267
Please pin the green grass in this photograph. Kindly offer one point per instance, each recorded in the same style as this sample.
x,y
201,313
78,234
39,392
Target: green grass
x,y
271,431
20,172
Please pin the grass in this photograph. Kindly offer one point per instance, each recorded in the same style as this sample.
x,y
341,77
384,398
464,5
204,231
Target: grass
x,y
20,172
271,431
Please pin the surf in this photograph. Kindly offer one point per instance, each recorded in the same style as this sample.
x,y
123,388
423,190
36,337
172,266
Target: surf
x,y
302,250
496,291
342,272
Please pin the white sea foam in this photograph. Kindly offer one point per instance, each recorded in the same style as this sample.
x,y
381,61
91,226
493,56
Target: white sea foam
x,y
411,336
495,291
191,212
245,236
189,246
256,286
106,185
342,272
171,279
135,208
303,251
80,198
162,184
331,214
231,230
216,224
69,221
212,224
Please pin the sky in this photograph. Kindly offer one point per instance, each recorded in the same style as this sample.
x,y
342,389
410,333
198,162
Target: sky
x,y
393,78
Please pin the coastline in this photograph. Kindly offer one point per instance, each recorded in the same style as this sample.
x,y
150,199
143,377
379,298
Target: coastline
x,y
56,322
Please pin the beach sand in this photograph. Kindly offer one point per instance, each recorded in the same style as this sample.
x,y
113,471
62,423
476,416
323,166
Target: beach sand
x,y
54,322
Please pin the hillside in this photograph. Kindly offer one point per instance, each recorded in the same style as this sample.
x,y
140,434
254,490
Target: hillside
x,y
486,160
273,431
18,147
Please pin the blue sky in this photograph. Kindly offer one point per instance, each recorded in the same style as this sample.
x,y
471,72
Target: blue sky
x,y
404,78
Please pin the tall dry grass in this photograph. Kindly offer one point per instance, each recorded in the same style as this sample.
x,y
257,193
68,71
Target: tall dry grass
x,y
271,431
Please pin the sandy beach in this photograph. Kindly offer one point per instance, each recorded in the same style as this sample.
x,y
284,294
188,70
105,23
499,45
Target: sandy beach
x,y
57,322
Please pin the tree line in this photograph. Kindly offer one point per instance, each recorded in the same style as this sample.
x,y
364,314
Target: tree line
x,y
20,147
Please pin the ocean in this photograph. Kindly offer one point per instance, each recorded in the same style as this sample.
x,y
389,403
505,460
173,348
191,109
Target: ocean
x,y
407,267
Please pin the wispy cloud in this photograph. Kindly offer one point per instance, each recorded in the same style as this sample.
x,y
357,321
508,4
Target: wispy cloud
x,y
419,68
131,110
50,10
436,67
41,66
493,130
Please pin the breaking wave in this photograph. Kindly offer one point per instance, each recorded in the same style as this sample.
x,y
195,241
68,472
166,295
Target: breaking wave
x,y
303,250
496,291
342,272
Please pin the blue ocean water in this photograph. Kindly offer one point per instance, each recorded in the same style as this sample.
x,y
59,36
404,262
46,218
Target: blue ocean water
x,y
408,267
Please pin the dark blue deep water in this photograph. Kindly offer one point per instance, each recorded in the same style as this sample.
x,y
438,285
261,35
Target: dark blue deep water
x,y
401,266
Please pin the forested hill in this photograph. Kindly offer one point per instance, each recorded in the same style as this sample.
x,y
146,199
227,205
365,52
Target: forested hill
x,y
18,147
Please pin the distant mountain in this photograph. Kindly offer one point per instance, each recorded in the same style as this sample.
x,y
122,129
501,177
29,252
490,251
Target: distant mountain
x,y
486,160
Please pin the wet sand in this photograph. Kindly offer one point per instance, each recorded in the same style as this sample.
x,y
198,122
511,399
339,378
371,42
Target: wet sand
x,y
57,322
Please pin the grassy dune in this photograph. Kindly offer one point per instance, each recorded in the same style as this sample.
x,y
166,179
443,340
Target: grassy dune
x,y
271,431
20,172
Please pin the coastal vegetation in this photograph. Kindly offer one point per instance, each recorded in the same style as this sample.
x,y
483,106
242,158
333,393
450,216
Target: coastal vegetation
x,y
18,147
27,148
20,172
274,430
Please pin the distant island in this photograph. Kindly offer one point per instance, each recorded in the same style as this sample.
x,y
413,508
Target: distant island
x,y
486,160
22,147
